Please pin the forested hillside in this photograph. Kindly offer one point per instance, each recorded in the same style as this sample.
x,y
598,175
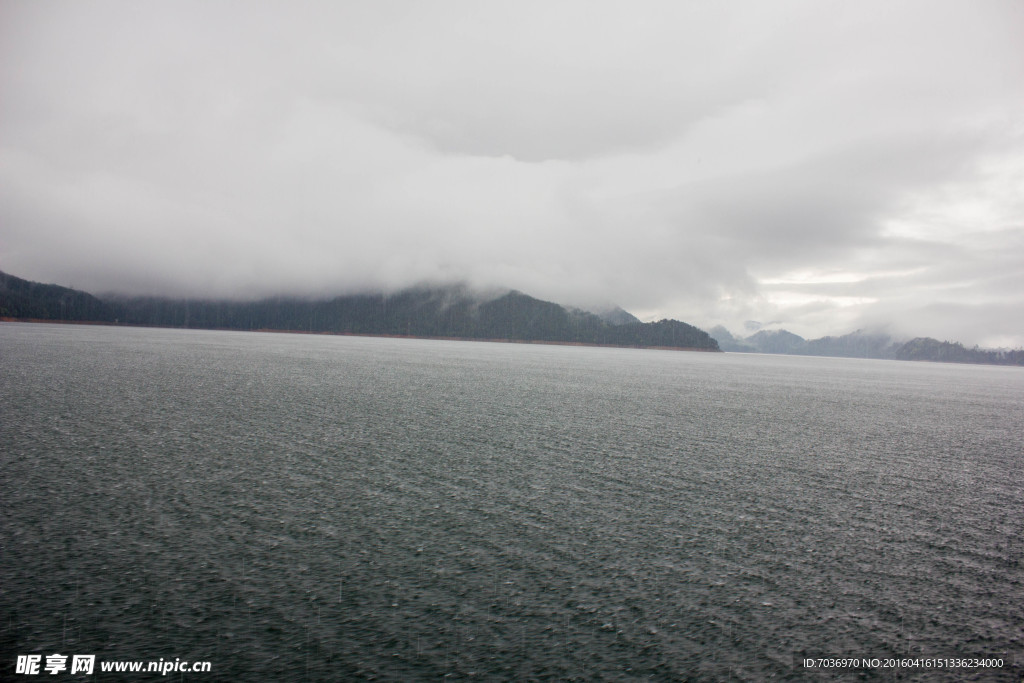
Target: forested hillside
x,y
451,312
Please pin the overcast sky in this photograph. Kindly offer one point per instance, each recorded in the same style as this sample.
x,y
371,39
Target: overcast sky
x,y
817,166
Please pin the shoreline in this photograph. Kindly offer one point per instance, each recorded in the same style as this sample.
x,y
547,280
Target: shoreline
x,y
359,334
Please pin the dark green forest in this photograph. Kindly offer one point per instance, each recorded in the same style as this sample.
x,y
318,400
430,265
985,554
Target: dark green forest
x,y
449,312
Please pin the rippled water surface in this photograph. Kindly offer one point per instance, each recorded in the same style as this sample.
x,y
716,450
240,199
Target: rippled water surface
x,y
295,507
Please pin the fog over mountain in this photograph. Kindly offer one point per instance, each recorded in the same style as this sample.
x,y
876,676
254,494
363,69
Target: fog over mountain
x,y
824,166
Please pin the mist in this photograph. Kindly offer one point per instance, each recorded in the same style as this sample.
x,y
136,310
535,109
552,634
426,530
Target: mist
x,y
816,167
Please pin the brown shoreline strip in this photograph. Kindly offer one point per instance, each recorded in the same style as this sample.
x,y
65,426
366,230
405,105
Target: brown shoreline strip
x,y
354,334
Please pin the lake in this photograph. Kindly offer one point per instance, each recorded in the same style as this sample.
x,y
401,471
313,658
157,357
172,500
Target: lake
x,y
303,507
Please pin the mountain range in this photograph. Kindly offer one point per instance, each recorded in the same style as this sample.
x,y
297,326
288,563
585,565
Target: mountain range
x,y
862,344
459,312
440,312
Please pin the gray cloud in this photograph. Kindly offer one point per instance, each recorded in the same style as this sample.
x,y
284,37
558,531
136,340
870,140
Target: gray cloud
x,y
825,166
